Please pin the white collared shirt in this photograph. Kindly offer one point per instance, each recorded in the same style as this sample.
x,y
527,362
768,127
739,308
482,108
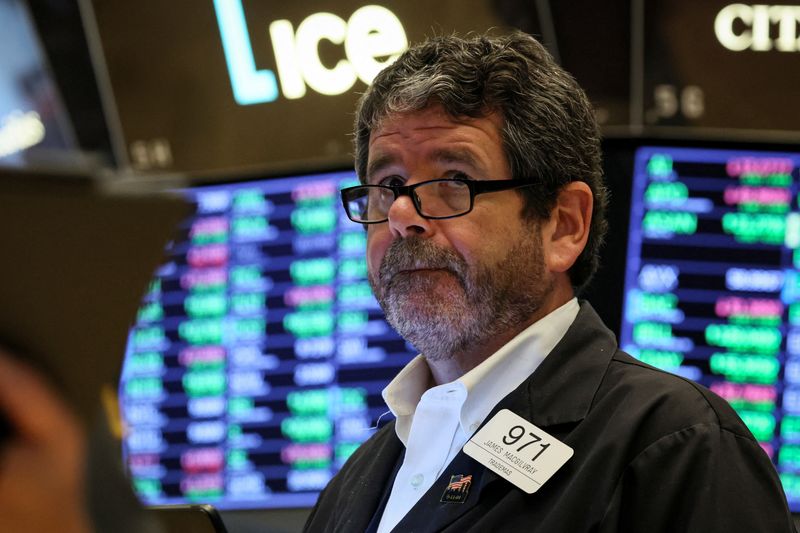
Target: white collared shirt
x,y
435,423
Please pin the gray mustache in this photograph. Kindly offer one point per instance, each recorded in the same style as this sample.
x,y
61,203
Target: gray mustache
x,y
414,253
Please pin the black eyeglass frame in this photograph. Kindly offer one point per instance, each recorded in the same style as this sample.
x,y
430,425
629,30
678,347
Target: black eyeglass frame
x,y
475,187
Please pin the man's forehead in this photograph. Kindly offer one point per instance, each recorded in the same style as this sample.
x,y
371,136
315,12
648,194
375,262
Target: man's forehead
x,y
434,122
433,117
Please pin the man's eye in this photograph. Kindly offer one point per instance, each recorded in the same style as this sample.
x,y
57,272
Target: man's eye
x,y
392,181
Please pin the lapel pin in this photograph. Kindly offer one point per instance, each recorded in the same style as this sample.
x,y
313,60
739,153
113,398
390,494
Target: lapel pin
x,y
457,490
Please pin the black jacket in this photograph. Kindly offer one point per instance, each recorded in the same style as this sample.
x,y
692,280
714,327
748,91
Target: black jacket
x,y
653,452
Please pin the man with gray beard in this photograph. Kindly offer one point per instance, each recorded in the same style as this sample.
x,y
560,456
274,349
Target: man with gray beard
x,y
482,197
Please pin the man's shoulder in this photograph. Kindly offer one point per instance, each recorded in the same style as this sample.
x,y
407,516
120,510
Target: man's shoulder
x,y
662,401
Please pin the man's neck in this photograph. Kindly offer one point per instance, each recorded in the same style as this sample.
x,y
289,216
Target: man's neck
x,y
451,368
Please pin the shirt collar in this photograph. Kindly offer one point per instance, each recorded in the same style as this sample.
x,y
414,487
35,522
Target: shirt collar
x,y
487,383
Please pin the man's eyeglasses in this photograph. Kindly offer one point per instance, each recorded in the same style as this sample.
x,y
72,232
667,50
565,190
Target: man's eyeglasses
x,y
434,199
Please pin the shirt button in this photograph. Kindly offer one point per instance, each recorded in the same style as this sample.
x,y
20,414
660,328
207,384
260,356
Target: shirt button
x,y
474,426
417,480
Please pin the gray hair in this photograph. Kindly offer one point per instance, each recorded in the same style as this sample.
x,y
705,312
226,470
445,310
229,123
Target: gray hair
x,y
550,135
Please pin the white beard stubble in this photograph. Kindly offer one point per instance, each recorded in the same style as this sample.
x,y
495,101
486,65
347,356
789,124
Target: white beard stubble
x,y
441,316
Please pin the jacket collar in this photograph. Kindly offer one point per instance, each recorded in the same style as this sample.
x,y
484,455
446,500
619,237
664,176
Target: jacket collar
x,y
563,387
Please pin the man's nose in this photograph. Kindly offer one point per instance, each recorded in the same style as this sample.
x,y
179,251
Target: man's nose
x,y
405,221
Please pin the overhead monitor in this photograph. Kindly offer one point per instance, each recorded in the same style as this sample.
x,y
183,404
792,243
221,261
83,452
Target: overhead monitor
x,y
717,68
245,84
712,284
204,87
257,360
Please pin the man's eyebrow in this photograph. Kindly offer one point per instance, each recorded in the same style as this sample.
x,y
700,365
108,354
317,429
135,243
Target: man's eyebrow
x,y
457,155
442,156
379,163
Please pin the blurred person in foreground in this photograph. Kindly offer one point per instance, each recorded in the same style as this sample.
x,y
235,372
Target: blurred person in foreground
x,y
484,207
56,474
42,460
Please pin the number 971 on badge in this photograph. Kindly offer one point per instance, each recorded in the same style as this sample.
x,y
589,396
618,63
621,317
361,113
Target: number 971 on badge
x,y
518,451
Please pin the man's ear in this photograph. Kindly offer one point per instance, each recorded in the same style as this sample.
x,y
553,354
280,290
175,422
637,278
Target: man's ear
x,y
565,234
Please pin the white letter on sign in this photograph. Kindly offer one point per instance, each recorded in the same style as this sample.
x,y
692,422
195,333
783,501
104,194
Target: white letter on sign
x,y
373,31
723,27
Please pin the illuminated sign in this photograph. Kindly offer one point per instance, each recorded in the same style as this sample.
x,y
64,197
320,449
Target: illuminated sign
x,y
740,27
371,33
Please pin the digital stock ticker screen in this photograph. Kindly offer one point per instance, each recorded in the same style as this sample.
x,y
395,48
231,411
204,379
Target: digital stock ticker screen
x,y
256,363
712,286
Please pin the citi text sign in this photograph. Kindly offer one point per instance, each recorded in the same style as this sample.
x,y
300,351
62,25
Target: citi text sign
x,y
741,27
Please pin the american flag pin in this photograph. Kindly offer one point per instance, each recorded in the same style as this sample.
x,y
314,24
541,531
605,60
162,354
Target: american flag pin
x,y
457,490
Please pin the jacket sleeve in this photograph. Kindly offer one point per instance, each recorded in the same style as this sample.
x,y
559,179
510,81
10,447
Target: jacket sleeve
x,y
700,479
